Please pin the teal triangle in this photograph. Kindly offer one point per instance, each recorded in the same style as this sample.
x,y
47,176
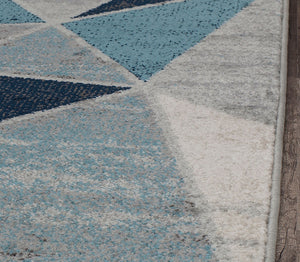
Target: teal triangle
x,y
144,41
11,13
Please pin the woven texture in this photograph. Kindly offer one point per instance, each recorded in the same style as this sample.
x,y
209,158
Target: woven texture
x,y
137,130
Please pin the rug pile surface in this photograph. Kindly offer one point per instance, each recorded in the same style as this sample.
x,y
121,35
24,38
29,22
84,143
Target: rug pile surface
x,y
138,130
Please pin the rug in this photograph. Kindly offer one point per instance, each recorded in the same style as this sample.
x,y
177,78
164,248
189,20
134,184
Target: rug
x,y
140,130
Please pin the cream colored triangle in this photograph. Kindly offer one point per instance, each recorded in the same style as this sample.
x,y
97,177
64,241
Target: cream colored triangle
x,y
231,159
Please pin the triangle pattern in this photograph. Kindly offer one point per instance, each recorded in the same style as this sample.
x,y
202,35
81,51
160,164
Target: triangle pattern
x,y
50,53
19,96
216,71
116,5
145,40
11,13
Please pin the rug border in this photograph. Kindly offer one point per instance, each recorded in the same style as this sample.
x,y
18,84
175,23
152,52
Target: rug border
x,y
278,152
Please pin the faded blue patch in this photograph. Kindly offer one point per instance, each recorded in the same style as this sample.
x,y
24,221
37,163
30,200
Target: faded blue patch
x,y
95,182
145,41
51,53
11,13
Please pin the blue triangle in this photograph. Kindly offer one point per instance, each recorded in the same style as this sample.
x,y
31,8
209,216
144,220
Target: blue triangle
x,y
144,41
115,5
19,96
108,167
11,13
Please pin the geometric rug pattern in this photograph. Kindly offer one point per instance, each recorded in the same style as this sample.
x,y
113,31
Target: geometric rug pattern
x,y
132,38
137,130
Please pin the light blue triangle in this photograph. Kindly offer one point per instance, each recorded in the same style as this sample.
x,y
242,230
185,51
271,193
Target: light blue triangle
x,y
11,13
50,53
144,41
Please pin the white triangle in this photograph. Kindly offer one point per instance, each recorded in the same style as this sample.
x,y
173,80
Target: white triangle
x,y
232,160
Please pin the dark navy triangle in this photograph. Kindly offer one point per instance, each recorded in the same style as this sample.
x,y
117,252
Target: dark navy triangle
x,y
11,13
19,96
115,5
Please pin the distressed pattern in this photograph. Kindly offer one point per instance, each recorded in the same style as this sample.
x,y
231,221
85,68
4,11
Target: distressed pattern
x,y
159,145
19,96
11,13
95,183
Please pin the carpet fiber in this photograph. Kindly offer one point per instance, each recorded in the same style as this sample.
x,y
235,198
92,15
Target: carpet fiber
x,y
139,130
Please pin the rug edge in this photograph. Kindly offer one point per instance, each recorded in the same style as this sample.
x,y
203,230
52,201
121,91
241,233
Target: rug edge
x,y
278,150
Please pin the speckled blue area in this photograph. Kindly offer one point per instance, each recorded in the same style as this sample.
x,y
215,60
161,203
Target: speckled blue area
x,y
115,5
19,96
95,183
11,13
51,53
144,41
